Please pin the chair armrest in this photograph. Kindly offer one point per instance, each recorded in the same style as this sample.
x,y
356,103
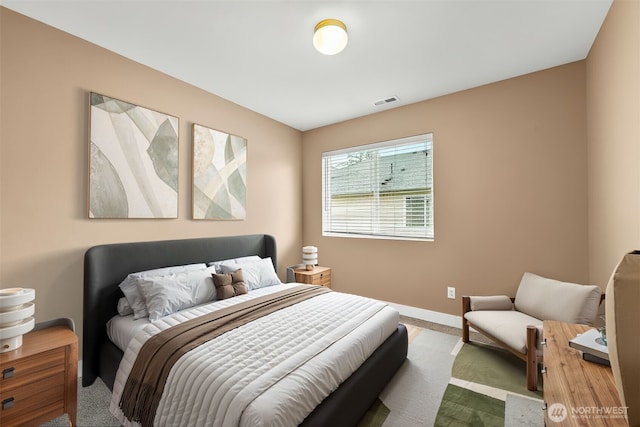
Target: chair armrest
x,y
535,333
466,305
495,302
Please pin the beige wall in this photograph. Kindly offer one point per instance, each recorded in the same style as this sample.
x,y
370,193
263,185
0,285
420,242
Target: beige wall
x,y
613,127
517,186
46,78
1,127
510,192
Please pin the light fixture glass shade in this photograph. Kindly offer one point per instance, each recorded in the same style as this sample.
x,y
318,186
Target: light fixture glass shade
x,y
330,36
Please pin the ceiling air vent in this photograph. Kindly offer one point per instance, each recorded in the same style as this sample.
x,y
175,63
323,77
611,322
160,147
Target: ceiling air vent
x,y
385,101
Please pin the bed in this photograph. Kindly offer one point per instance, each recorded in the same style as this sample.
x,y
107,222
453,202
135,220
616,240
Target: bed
x,y
106,266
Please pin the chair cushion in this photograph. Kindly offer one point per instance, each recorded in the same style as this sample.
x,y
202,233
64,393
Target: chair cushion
x,y
510,327
548,299
496,302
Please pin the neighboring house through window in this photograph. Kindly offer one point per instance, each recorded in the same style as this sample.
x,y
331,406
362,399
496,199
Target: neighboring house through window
x,y
416,211
381,190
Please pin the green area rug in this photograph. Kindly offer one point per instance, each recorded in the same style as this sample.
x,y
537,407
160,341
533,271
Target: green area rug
x,y
447,383
488,388
413,395
462,407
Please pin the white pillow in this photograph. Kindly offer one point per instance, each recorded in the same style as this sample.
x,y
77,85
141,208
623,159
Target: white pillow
x,y
167,294
217,264
257,274
249,258
129,285
124,309
201,284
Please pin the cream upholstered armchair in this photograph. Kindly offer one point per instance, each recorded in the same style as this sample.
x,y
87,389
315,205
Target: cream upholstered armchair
x,y
516,324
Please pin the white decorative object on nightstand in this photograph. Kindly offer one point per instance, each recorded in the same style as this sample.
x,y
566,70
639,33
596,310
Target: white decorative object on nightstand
x,y
310,257
16,316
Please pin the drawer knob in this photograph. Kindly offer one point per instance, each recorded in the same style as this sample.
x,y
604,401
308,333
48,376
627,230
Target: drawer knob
x,y
7,403
8,373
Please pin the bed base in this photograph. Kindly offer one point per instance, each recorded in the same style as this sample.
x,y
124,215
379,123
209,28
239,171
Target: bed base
x,y
348,403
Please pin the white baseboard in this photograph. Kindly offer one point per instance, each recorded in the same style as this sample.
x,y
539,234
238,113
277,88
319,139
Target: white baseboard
x,y
428,315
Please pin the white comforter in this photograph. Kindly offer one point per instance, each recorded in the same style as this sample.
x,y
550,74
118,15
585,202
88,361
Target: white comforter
x,y
271,372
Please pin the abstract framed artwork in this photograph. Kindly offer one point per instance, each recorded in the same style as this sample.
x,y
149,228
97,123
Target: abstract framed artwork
x,y
133,161
219,175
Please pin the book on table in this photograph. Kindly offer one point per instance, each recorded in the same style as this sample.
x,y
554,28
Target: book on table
x,y
590,342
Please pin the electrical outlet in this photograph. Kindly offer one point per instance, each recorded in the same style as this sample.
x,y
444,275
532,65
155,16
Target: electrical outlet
x,y
451,292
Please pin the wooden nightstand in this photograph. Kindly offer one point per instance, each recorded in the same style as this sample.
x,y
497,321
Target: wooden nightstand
x,y
318,276
39,380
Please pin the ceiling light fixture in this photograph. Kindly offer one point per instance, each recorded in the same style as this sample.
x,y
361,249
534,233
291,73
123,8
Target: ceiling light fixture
x,y
330,36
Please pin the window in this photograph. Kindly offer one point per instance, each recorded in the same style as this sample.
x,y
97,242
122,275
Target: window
x,y
381,190
416,209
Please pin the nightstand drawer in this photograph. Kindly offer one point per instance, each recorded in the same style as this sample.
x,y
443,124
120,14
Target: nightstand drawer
x,y
32,368
322,279
318,276
24,404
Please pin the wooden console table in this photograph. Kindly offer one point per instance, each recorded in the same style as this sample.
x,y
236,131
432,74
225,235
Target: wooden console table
x,y
576,392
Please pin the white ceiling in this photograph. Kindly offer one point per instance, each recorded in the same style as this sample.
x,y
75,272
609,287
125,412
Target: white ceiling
x,y
259,54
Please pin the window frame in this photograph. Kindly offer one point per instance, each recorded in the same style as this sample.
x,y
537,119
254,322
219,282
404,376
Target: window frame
x,y
399,230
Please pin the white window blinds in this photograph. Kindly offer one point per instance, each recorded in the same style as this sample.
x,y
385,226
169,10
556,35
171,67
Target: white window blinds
x,y
382,190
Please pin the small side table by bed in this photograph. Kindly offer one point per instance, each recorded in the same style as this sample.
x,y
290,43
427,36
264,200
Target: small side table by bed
x,y
39,380
318,276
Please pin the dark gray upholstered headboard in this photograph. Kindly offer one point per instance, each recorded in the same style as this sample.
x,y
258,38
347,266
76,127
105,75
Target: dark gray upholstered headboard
x,y
105,267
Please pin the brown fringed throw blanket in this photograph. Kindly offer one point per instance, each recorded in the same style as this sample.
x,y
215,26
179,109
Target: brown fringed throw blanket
x,y
145,384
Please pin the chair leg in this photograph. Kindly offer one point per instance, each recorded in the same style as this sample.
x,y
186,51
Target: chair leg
x,y
532,358
466,307
532,374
